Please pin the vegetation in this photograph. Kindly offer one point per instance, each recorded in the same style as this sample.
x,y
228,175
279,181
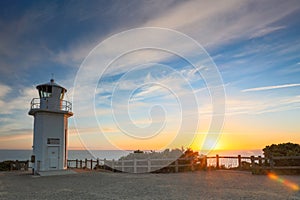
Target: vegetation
x,y
13,165
287,152
284,149
174,153
184,160
5,165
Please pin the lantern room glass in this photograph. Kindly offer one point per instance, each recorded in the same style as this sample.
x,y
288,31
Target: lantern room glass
x,y
45,91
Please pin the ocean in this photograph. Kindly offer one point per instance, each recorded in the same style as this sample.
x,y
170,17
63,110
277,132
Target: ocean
x,y
72,154
111,154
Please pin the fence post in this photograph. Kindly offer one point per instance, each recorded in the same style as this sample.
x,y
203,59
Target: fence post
x,y
149,165
134,166
253,165
239,161
26,165
205,162
91,164
252,161
104,163
76,165
192,165
85,163
217,162
113,165
176,165
259,161
80,164
122,163
17,165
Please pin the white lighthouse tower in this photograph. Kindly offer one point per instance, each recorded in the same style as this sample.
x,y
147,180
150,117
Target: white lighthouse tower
x,y
51,115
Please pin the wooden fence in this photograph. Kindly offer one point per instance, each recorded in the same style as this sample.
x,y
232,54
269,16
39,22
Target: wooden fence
x,y
233,162
84,164
239,162
133,166
255,164
252,163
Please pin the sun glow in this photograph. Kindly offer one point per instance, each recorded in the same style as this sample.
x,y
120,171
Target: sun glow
x,y
202,143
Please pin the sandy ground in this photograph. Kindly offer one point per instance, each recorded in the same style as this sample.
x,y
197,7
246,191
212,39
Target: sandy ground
x,y
104,185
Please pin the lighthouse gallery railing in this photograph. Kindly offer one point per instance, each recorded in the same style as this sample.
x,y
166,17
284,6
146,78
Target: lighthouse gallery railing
x,y
64,105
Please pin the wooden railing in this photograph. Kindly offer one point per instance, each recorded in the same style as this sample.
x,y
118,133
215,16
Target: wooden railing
x,y
133,166
84,164
233,162
255,164
239,162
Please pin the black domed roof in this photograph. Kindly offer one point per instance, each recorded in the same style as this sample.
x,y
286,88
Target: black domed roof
x,y
51,83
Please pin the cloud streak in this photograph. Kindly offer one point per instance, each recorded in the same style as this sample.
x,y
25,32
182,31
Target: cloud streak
x,y
225,22
271,87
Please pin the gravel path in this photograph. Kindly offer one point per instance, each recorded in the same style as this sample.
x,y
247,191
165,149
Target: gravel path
x,y
104,185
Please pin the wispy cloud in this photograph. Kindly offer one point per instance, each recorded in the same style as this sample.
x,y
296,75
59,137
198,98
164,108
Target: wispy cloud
x,y
254,105
21,103
227,21
271,87
266,30
4,89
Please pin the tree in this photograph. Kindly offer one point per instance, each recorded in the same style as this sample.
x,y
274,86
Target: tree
x,y
283,150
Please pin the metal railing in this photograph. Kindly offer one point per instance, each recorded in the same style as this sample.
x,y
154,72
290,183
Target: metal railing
x,y
64,105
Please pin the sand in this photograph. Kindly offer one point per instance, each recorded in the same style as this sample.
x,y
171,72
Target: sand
x,y
104,185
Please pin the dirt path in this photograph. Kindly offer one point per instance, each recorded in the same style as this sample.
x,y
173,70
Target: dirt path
x,y
192,185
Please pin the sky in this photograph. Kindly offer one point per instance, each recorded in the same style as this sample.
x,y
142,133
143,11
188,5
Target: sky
x,y
238,65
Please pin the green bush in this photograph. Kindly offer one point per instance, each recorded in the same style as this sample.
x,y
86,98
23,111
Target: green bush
x,y
283,150
5,165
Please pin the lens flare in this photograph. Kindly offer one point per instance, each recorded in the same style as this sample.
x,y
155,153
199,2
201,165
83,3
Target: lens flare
x,y
285,182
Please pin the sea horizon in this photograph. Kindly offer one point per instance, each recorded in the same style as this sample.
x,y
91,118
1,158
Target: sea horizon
x,y
24,154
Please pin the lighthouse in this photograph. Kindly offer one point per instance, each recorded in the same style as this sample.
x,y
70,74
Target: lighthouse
x,y
50,131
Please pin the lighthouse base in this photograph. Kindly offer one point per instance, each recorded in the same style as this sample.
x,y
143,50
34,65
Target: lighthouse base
x,y
56,172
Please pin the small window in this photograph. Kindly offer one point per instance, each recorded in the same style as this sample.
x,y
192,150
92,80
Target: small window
x,y
53,141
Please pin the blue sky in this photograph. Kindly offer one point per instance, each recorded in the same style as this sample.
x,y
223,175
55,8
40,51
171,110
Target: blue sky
x,y
254,44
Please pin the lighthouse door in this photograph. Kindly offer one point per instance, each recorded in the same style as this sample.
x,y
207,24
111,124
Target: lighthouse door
x,y
53,158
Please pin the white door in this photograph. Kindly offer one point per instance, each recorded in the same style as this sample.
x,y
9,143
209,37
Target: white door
x,y
53,158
